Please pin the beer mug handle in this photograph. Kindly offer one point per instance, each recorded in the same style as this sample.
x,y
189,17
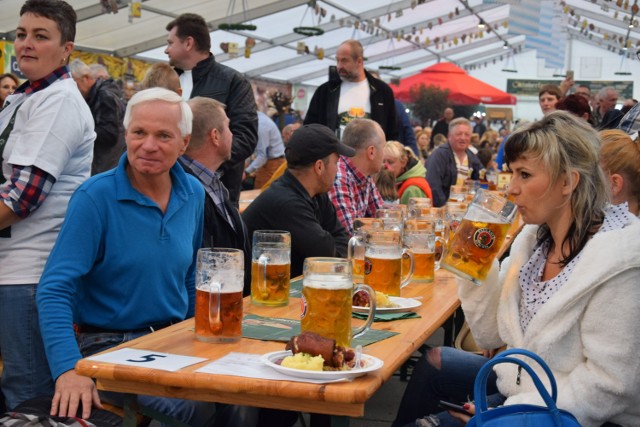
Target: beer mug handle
x,y
351,246
443,244
372,309
214,306
406,281
262,273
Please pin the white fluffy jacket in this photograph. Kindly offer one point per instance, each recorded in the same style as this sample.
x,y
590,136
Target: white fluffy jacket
x,y
588,332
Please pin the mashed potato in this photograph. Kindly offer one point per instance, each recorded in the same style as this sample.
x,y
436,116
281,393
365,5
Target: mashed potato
x,y
383,301
303,361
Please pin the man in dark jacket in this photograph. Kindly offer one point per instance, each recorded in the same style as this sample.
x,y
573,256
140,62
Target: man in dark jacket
x,y
107,106
452,163
188,45
298,202
210,146
355,94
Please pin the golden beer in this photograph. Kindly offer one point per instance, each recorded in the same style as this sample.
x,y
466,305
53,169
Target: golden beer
x,y
358,268
424,269
226,327
473,247
383,274
274,291
327,309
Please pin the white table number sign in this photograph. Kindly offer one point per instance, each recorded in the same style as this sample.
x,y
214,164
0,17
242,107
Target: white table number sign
x,y
148,359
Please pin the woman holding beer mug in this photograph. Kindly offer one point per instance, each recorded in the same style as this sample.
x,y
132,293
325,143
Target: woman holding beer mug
x,y
568,292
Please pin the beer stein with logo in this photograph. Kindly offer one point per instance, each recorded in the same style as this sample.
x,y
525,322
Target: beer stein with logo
x,y
219,283
420,237
355,248
479,236
270,267
383,262
327,295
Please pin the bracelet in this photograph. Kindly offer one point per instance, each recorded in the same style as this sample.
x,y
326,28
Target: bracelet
x,y
309,31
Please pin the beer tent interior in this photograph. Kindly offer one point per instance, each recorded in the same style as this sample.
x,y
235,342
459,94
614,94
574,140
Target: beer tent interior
x,y
463,89
394,33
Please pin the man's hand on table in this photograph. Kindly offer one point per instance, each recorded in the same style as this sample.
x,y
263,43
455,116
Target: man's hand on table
x,y
71,389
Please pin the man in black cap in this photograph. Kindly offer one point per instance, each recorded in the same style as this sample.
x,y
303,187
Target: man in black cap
x,y
298,202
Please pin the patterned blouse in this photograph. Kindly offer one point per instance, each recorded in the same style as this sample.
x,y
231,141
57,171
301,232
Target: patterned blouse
x,y
535,291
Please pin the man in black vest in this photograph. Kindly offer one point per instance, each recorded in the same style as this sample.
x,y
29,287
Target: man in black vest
x,y
210,146
188,49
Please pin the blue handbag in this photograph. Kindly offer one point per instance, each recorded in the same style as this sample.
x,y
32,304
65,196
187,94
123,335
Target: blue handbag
x,y
519,415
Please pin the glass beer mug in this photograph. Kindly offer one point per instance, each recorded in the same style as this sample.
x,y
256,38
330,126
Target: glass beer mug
x,y
355,248
479,236
219,283
270,268
383,255
420,237
327,295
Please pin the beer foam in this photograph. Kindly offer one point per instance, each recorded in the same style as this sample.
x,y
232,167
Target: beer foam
x,y
228,283
327,281
384,253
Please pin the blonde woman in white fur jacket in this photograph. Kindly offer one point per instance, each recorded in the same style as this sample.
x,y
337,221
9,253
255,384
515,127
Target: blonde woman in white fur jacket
x,y
570,291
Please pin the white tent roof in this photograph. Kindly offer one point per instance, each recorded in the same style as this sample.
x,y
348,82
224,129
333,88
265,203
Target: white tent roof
x,y
380,22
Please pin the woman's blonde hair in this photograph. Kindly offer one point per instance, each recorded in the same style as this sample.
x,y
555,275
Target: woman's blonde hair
x,y
399,151
620,154
563,143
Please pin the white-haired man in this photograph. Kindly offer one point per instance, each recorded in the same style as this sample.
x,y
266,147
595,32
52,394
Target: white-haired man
x,y
124,262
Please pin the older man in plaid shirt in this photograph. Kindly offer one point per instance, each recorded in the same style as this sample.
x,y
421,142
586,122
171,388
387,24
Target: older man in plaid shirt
x,y
354,193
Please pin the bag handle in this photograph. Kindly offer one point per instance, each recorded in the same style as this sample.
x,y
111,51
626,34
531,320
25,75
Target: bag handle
x,y
541,362
480,385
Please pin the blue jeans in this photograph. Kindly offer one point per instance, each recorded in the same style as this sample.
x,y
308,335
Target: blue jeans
x,y
26,372
191,412
452,381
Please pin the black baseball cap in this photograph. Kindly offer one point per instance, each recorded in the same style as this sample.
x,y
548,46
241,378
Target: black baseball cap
x,y
314,142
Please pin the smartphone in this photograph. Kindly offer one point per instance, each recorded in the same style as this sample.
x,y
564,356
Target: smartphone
x,y
455,408
570,74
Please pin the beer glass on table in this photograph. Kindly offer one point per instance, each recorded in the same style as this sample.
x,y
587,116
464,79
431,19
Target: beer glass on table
x,y
219,283
270,268
392,219
479,236
355,248
419,207
458,193
419,236
327,295
454,213
383,255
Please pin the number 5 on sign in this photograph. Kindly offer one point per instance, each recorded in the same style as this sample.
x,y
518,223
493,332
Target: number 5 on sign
x,y
147,359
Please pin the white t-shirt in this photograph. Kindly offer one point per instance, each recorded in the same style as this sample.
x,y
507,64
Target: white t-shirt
x,y
354,102
53,131
186,83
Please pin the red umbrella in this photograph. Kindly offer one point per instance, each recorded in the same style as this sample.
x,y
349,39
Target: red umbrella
x,y
463,89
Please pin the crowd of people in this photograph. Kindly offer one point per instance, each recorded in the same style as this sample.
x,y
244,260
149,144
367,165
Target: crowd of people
x,y
105,203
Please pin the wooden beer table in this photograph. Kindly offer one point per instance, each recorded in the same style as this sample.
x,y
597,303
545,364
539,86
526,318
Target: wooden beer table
x,y
342,400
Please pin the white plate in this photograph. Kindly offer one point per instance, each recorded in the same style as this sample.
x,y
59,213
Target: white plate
x,y
402,305
270,359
